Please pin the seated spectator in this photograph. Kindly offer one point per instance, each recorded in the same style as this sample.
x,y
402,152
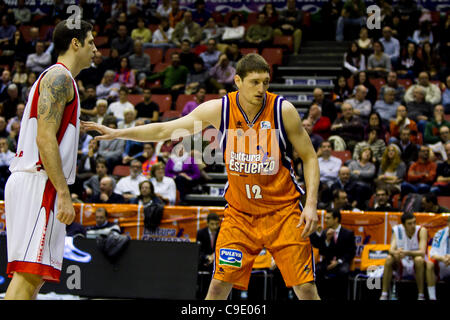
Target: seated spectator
x,y
19,76
211,30
289,23
112,62
139,63
321,125
187,56
148,157
446,95
111,150
92,185
207,238
379,63
11,101
40,60
211,55
407,251
381,202
430,204
123,42
176,14
361,106
107,194
260,34
233,53
438,149
409,64
3,132
433,126
201,15
183,169
402,121
409,150
328,108
162,37
108,89
341,91
431,59
316,139
376,144
5,82
391,45
329,165
392,170
387,108
423,34
133,149
87,162
94,74
75,229
197,77
336,245
363,79
18,116
147,110
6,155
391,82
235,31
165,187
419,109
346,183
198,99
125,76
100,110
352,15
363,172
442,185
271,14
421,174
348,127
222,74
163,10
13,137
340,201
89,102
129,118
118,108
365,43
27,87
354,60
146,195
128,186
141,33
375,123
431,91
102,225
187,29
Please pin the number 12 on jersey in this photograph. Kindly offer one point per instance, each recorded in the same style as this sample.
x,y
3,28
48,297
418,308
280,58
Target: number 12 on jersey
x,y
253,192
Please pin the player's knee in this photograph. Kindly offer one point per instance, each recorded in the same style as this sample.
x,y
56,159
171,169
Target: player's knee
x,y
419,261
389,261
306,291
33,280
219,289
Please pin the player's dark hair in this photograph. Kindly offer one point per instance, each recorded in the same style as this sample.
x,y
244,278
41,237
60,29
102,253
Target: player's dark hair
x,y
64,33
406,216
431,197
251,62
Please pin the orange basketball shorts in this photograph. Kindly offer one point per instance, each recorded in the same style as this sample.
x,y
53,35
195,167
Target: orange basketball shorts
x,y
242,236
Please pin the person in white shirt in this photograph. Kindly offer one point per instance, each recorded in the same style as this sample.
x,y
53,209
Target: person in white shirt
x,y
118,108
128,186
432,92
328,164
162,36
361,106
39,61
164,186
6,155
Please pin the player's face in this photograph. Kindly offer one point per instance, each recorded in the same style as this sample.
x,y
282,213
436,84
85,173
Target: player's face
x,y
88,50
410,225
253,87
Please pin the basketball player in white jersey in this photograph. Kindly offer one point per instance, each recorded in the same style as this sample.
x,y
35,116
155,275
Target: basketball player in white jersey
x,y
407,254
38,205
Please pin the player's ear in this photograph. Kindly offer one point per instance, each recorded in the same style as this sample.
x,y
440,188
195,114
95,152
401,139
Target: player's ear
x,y
75,43
237,80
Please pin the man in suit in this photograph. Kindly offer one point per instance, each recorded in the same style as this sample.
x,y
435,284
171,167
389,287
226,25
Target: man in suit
x,y
337,247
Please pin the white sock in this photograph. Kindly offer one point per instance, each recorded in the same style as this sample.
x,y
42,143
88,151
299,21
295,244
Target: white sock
x,y
384,295
421,296
432,293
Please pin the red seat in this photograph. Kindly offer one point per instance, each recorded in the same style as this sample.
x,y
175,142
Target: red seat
x,y
405,82
284,42
121,171
245,51
43,31
182,100
444,201
135,98
170,115
155,54
101,41
164,101
377,83
273,56
343,155
25,30
160,67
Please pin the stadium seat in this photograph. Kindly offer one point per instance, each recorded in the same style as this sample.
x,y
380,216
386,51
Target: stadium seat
x,y
245,51
343,155
444,201
405,82
182,100
25,30
164,101
377,83
273,56
155,54
170,115
101,41
135,98
168,54
284,42
121,171
160,66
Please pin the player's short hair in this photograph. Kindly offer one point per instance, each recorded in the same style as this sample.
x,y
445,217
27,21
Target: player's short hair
x,y
251,62
406,216
64,33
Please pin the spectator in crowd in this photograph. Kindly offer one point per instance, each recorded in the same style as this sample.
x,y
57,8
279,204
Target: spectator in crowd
x,y
163,10
128,186
6,30
361,106
147,110
430,204
162,37
409,149
108,89
125,76
402,121
89,102
365,43
87,163
419,109
260,34
271,14
340,201
112,62
83,142
139,63
352,15
391,45
211,30
187,56
5,82
117,108
379,63
387,108
40,60
201,15
222,74
421,174
13,136
391,82
329,165
438,149
354,60
431,59
376,144
381,201
123,42
198,99
94,74
207,237
392,170
442,185
187,29
18,118
183,169
407,253
409,64
344,182
439,264
3,124
363,79
432,92
321,125
328,107
316,139
11,101
129,118
423,34
107,194
165,187
141,33
233,53
6,155
211,55
336,245
92,185
146,195
176,14
100,110
289,23
363,172
409,15
102,225
235,31
111,150
341,91
148,157
15,50
375,123
133,149
434,125
348,127
446,95
197,77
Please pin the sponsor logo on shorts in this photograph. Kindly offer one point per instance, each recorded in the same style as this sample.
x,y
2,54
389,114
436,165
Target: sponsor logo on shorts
x,y
230,257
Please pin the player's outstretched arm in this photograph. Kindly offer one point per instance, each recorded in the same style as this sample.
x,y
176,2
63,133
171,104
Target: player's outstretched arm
x,y
206,114
301,142
56,89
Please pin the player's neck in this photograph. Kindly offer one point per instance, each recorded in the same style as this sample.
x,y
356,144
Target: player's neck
x,y
250,109
70,63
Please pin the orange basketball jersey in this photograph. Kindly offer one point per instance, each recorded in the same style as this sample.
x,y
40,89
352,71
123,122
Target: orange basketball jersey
x,y
258,157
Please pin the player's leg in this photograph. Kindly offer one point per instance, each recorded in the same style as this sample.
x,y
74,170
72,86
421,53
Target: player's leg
x,y
431,280
24,286
218,290
419,267
387,276
306,291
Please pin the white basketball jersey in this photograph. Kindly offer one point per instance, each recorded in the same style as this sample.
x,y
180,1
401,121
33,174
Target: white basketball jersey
x,y
403,241
27,156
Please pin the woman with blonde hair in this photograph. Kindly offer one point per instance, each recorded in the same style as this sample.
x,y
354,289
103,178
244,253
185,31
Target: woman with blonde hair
x,y
392,170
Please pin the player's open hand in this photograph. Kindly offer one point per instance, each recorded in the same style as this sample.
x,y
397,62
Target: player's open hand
x,y
106,133
309,217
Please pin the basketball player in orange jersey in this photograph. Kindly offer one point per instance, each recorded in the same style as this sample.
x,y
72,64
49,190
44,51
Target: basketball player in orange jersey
x,y
38,204
259,131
